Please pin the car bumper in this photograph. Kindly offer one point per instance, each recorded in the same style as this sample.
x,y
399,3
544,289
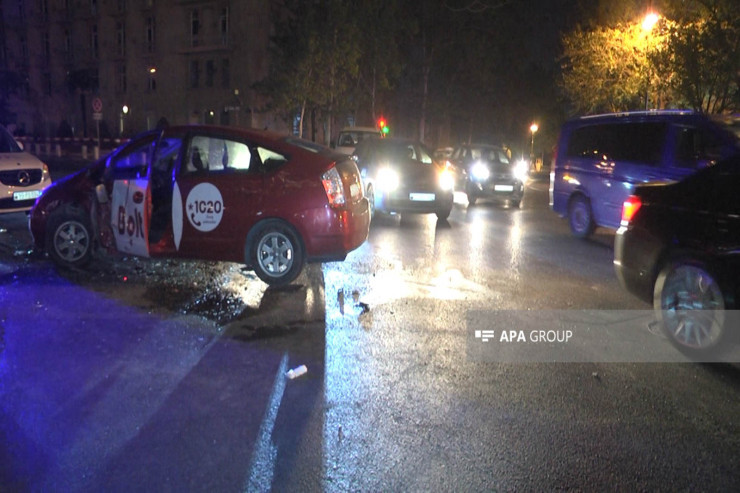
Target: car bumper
x,y
636,261
506,189
330,234
416,202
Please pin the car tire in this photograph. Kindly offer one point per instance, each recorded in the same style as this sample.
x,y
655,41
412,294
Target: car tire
x,y
69,238
516,203
580,217
370,194
443,214
689,303
276,253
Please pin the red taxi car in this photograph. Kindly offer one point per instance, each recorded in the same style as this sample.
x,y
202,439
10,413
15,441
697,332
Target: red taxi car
x,y
267,200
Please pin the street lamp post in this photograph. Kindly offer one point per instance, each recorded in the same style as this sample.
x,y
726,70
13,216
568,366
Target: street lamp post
x,y
648,23
532,128
124,112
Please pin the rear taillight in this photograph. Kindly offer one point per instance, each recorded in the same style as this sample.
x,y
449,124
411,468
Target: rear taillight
x,y
334,187
630,208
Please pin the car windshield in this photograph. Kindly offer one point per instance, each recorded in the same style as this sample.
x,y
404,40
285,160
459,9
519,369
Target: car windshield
x,y
396,150
7,142
489,154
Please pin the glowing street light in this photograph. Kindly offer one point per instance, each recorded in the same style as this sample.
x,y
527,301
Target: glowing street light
x,y
648,23
532,128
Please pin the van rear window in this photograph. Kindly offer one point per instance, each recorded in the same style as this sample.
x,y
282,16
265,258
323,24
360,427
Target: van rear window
x,y
637,143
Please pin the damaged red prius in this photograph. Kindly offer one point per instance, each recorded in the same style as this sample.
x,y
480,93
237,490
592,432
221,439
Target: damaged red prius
x,y
270,201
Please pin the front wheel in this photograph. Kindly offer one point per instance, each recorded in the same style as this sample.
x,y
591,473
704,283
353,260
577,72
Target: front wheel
x,y
443,214
690,306
69,238
276,253
581,217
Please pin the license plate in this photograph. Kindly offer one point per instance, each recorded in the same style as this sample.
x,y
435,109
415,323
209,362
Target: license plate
x,y
503,188
18,196
421,197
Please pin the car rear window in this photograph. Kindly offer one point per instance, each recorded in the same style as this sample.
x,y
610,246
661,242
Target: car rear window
x,y
631,142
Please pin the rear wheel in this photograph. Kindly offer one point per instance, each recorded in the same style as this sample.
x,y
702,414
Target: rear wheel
x,y
276,253
470,192
581,217
690,306
370,194
444,213
69,237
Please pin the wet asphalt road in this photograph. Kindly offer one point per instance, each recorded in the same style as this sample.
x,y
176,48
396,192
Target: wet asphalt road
x,y
152,375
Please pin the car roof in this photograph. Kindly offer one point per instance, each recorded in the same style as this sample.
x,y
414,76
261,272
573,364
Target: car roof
x,y
361,129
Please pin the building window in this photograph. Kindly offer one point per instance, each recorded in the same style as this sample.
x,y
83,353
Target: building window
x,y
121,6
67,42
225,74
121,38
94,7
24,47
152,82
194,74
47,83
194,28
121,79
94,42
47,46
148,4
150,32
210,71
224,23
22,10
44,7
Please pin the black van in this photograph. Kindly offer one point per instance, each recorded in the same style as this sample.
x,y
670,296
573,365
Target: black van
x,y
599,160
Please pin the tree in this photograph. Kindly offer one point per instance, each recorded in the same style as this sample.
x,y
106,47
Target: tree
x,y
690,59
315,59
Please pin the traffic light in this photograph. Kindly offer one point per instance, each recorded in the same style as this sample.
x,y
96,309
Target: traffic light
x,y
383,126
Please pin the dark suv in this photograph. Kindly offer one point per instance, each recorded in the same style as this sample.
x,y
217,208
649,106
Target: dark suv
x,y
486,171
678,248
600,159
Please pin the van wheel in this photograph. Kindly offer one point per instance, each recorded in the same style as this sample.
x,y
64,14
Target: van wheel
x,y
276,253
581,217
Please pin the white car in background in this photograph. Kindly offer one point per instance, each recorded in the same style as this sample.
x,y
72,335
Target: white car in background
x,y
349,137
22,176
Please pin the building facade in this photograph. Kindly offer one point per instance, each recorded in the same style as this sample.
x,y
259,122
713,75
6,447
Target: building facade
x,y
118,67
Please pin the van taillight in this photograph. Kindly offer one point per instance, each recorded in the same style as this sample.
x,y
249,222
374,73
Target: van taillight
x,y
630,208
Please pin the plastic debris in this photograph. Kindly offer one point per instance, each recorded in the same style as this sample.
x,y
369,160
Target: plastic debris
x,y
364,307
296,372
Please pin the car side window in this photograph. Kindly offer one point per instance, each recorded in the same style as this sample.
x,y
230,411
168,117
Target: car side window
x,y
639,143
269,158
132,162
214,154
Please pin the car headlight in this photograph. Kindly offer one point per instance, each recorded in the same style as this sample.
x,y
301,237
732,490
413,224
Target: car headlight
x,y
387,179
480,171
521,169
446,180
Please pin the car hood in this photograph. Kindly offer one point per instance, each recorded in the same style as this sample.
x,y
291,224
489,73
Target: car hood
x,y
16,160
